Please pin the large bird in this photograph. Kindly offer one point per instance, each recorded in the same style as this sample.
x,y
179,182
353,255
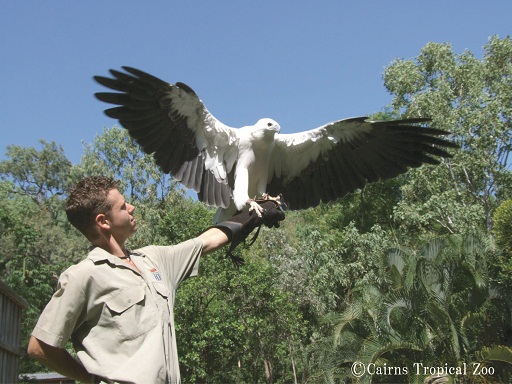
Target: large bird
x,y
229,167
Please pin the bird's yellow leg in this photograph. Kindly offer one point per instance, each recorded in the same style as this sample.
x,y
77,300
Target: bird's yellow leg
x,y
254,206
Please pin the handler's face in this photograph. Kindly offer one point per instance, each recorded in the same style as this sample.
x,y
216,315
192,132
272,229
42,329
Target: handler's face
x,y
121,220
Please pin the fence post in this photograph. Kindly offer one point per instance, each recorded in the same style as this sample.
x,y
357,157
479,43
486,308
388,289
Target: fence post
x,y
11,306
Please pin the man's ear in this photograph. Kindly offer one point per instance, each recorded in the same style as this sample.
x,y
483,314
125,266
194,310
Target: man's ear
x,y
102,221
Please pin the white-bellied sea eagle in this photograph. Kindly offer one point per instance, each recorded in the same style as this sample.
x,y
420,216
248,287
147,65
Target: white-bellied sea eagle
x,y
228,167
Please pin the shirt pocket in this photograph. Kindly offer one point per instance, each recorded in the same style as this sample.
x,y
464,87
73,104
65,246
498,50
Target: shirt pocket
x,y
130,313
126,299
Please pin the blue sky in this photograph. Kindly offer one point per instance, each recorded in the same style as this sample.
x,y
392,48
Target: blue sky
x,y
302,63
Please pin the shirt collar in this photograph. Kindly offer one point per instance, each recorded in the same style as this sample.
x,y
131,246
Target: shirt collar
x,y
98,254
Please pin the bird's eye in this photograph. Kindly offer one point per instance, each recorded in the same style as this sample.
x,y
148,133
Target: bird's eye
x,y
269,124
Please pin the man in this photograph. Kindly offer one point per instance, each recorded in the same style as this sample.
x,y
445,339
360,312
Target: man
x,y
117,305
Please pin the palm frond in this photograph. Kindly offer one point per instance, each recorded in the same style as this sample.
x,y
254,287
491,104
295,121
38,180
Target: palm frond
x,y
495,353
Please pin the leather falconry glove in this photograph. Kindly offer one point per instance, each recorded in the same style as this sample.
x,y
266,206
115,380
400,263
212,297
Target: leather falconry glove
x,y
241,225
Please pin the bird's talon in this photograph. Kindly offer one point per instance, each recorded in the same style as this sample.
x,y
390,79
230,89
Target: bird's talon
x,y
254,206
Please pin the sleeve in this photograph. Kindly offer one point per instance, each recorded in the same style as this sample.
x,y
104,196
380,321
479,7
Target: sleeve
x,y
177,262
63,312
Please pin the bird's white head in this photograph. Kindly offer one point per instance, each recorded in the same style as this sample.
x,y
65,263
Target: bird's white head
x,y
268,125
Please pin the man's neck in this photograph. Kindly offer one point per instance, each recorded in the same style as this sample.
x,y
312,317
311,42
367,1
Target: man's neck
x,y
111,245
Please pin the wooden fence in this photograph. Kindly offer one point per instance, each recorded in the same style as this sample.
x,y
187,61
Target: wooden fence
x,y
11,305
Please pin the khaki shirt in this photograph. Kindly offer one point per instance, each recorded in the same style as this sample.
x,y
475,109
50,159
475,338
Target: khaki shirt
x,y
121,321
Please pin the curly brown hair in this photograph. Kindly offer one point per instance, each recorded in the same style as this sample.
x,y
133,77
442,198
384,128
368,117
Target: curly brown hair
x,y
88,199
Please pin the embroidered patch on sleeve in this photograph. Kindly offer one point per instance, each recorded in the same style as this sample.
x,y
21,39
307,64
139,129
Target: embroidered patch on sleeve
x,y
156,274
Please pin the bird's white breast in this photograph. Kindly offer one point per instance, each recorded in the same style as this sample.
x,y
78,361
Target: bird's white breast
x,y
252,175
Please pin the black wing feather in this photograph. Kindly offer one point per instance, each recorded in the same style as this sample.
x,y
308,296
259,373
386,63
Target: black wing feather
x,y
380,151
145,108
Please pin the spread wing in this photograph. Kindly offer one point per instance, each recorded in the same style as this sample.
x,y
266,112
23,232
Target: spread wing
x,y
170,122
329,162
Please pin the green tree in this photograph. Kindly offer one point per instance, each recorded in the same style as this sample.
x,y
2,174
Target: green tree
x,y
41,175
236,325
437,307
503,233
503,226
470,98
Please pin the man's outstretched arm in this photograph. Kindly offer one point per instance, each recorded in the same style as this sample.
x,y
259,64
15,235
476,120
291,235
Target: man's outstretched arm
x,y
59,360
213,239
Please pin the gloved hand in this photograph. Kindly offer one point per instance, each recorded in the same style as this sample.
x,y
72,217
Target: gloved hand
x,y
272,212
241,225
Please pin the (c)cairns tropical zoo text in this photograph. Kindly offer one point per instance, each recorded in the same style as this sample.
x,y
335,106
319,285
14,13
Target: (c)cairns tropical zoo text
x,y
360,369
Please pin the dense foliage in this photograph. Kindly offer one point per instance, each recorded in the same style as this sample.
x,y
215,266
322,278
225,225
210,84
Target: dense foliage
x,y
396,283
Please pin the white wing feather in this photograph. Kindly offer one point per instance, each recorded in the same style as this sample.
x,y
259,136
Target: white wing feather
x,y
294,152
